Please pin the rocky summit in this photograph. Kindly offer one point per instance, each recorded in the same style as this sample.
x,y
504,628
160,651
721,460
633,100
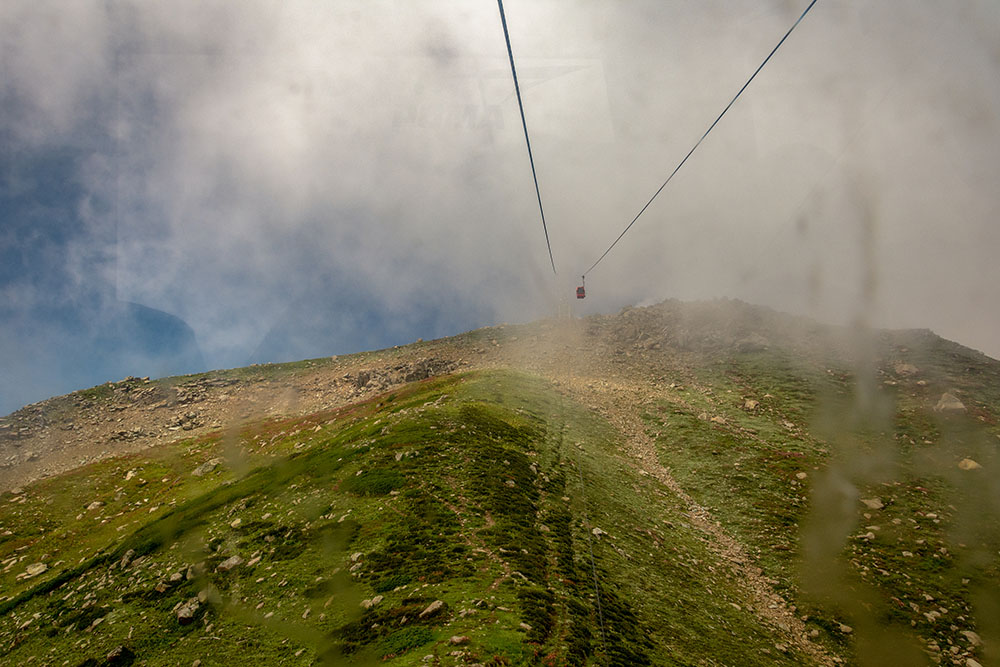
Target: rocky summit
x,y
682,484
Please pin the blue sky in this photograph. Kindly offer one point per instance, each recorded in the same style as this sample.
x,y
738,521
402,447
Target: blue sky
x,y
198,185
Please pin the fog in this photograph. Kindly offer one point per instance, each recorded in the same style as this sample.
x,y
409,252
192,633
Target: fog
x,y
300,178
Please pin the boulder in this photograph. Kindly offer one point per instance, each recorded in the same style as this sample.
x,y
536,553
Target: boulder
x,y
121,656
432,608
369,603
35,569
949,404
206,467
187,611
873,503
968,464
229,564
127,558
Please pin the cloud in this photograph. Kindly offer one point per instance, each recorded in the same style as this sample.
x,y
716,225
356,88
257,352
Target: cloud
x,y
237,159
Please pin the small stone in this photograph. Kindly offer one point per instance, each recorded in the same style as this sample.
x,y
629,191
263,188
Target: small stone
x,y
235,523
206,467
750,404
229,564
524,626
597,532
949,404
801,475
973,638
846,629
873,503
127,558
35,569
97,504
119,657
187,611
369,603
971,662
432,608
968,464
458,640
355,557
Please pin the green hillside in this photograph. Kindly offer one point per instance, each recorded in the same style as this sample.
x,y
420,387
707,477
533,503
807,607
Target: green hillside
x,y
655,490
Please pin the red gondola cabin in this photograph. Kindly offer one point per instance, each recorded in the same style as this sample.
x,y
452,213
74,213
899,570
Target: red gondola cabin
x,y
580,292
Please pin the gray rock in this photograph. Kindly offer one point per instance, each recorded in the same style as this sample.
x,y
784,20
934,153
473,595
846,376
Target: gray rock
x,y
127,558
432,608
969,464
873,503
973,638
187,612
206,467
121,656
949,404
368,604
35,569
229,564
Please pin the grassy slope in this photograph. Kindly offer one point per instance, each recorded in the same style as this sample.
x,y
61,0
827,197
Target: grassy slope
x,y
480,491
922,569
913,576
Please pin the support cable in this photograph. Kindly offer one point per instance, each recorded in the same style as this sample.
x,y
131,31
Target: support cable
x,y
711,127
524,124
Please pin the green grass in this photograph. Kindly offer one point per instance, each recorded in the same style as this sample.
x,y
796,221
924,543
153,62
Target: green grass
x,y
483,491
465,490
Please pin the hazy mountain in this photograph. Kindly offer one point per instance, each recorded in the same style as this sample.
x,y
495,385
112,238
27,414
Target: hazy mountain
x,y
689,483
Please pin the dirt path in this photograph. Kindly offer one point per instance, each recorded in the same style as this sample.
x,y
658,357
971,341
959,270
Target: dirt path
x,y
617,403
587,372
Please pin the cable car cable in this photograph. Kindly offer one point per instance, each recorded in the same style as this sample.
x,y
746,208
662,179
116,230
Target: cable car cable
x,y
711,127
524,124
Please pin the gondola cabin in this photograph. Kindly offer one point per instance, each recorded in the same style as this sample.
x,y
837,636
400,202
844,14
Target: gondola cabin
x,y
581,293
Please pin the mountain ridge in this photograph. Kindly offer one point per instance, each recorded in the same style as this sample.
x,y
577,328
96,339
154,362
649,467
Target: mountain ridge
x,y
782,447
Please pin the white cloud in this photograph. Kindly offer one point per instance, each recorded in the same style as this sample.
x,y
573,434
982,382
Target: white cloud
x,y
262,144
